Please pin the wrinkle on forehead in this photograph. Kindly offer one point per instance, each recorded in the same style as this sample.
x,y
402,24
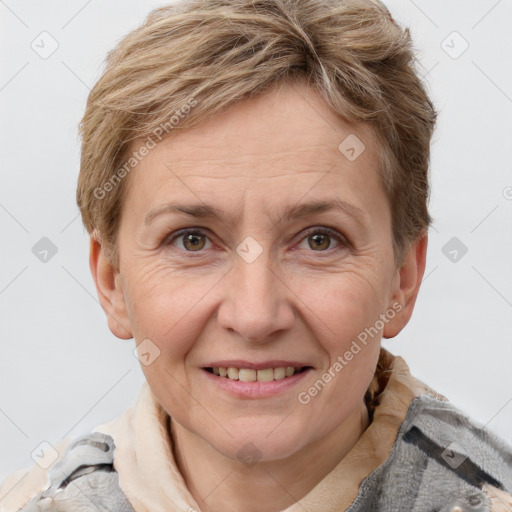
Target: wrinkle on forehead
x,y
291,141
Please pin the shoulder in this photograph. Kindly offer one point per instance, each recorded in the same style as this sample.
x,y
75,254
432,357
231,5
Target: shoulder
x,y
443,460
82,479
462,450
443,432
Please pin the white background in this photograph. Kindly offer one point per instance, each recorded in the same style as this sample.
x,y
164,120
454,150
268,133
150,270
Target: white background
x,y
61,370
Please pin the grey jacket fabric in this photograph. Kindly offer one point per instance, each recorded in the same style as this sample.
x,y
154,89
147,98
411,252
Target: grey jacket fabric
x,y
440,460
83,480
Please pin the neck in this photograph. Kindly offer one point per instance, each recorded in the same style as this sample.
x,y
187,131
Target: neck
x,y
219,483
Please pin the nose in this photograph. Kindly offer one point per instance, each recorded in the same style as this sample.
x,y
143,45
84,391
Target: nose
x,y
257,301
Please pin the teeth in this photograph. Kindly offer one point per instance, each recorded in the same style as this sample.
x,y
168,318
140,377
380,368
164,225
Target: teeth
x,y
265,375
232,373
247,375
279,373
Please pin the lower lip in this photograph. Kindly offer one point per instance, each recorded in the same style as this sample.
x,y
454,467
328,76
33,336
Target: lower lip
x,y
255,389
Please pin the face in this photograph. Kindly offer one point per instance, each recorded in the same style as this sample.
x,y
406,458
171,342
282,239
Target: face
x,y
265,282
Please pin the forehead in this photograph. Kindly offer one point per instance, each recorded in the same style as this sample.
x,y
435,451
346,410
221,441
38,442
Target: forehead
x,y
280,146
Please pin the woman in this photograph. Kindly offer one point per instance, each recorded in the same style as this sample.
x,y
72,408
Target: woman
x,y
254,178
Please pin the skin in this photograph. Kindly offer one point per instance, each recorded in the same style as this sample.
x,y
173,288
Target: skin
x,y
301,299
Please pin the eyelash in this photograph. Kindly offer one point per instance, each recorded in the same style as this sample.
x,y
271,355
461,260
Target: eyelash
x,y
315,230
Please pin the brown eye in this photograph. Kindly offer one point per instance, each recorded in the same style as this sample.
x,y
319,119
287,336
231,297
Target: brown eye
x,y
319,241
192,240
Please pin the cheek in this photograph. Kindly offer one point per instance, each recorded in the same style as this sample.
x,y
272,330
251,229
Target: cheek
x,y
162,300
160,314
348,311
165,309
345,304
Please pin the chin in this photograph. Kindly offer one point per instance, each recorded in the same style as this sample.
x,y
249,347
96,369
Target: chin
x,y
250,450
261,442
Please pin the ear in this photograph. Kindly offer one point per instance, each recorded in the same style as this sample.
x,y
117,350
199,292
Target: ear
x,y
407,285
110,291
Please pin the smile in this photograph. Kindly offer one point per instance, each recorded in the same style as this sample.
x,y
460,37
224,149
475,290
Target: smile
x,y
245,380
252,375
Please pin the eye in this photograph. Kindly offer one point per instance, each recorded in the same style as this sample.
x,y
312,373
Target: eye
x,y
319,239
193,239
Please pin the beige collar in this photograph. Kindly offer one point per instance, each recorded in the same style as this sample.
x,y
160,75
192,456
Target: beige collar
x,y
150,478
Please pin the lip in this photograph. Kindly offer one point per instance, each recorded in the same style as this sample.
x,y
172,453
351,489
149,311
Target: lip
x,y
255,390
239,363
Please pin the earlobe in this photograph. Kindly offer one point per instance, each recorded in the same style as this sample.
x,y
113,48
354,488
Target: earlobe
x,y
110,292
407,285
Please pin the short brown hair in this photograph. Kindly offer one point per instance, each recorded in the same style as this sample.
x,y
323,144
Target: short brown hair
x,y
205,55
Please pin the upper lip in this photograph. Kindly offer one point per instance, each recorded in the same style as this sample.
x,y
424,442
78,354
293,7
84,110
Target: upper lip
x,y
239,363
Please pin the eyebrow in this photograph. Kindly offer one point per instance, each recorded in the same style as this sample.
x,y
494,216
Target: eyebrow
x,y
293,212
